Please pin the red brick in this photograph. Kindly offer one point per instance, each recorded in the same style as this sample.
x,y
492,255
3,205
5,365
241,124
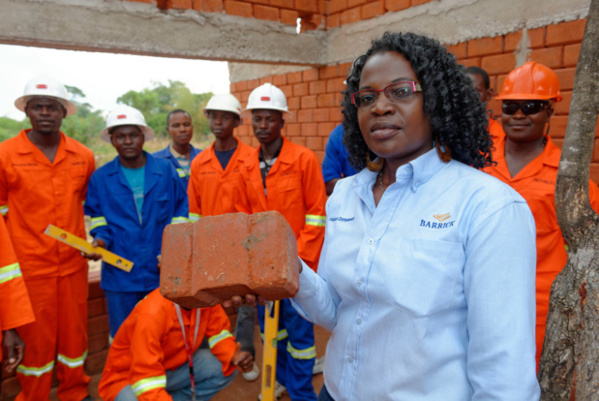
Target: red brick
x,y
498,64
321,115
312,22
320,155
305,116
245,95
551,57
293,129
336,6
212,6
290,117
279,80
475,61
209,261
97,343
324,129
374,9
265,2
335,114
334,20
97,325
300,140
336,85
241,86
485,46
300,89
238,8
308,102
396,5
322,6
294,77
96,306
571,53
95,362
354,3
317,87
289,17
310,6
349,16
243,130
282,3
310,75
314,143
563,107
293,103
266,13
287,90
309,129
265,80
326,100
253,84
566,32
94,290
344,69
459,50
144,1
181,4
558,126
329,71
511,41
537,37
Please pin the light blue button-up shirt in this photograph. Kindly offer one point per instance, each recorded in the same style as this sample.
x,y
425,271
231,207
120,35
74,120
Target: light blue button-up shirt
x,y
431,294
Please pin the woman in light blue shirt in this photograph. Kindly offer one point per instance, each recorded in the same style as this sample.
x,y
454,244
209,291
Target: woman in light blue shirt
x,y
427,275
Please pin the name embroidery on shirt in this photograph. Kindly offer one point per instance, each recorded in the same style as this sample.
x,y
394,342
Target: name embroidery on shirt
x,y
441,218
341,219
542,181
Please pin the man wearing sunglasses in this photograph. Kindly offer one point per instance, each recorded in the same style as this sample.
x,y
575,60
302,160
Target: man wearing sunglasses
x,y
527,160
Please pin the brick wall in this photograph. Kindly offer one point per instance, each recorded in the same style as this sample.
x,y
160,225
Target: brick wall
x,y
97,328
314,95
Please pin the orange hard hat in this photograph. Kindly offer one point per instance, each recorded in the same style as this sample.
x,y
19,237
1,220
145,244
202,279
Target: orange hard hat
x,y
531,81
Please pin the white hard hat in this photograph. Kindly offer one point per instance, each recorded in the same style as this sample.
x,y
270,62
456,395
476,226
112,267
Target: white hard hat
x,y
225,102
44,86
126,115
267,97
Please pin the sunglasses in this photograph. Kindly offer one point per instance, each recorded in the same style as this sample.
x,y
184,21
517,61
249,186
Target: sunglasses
x,y
396,92
527,107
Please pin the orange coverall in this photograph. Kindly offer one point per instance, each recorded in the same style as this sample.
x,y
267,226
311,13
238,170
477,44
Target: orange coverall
x,y
15,309
211,189
150,342
35,192
536,183
295,189
495,130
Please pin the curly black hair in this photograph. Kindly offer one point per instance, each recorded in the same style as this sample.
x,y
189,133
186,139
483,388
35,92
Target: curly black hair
x,y
456,114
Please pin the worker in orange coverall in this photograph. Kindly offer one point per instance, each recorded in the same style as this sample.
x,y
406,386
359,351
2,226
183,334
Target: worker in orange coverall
x,y
15,309
527,160
43,180
286,177
482,84
150,356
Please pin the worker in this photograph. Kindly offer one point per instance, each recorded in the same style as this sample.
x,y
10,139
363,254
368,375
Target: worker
x,y
43,180
482,84
214,174
15,309
286,177
180,152
528,159
336,163
156,354
130,201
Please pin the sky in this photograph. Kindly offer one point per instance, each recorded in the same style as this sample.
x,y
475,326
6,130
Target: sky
x,y
102,77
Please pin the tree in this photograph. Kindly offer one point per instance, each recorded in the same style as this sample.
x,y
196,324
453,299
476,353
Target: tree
x,y
85,125
157,102
572,338
10,127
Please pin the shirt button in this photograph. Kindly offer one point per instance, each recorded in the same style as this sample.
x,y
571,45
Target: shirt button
x,y
370,241
359,321
358,282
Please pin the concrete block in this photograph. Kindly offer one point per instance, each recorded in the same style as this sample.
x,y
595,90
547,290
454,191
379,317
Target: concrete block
x,y
207,262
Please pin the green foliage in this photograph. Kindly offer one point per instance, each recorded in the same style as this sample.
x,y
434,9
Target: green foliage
x,y
10,127
86,124
156,103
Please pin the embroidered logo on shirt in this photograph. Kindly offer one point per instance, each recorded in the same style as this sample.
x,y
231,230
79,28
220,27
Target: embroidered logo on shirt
x,y
442,217
341,219
542,181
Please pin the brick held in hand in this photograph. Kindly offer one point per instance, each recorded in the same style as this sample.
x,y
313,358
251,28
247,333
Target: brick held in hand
x,y
207,262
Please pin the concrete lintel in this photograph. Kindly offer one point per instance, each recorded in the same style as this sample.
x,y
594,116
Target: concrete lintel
x,y
139,28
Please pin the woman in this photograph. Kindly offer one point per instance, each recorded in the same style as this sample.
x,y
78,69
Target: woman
x,y
527,160
426,278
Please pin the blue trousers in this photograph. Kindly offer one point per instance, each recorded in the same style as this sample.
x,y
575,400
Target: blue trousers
x,y
295,352
324,394
120,305
208,374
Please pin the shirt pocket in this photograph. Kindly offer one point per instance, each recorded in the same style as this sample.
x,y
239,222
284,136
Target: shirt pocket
x,y
162,209
421,275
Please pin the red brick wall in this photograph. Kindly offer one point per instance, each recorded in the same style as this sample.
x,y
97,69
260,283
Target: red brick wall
x,y
97,328
314,95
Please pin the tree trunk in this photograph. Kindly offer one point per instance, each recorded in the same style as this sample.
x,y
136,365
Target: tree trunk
x,y
572,337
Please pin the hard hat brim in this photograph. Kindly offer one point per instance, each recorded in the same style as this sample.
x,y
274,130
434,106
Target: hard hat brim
x,y
528,96
267,108
21,103
148,132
